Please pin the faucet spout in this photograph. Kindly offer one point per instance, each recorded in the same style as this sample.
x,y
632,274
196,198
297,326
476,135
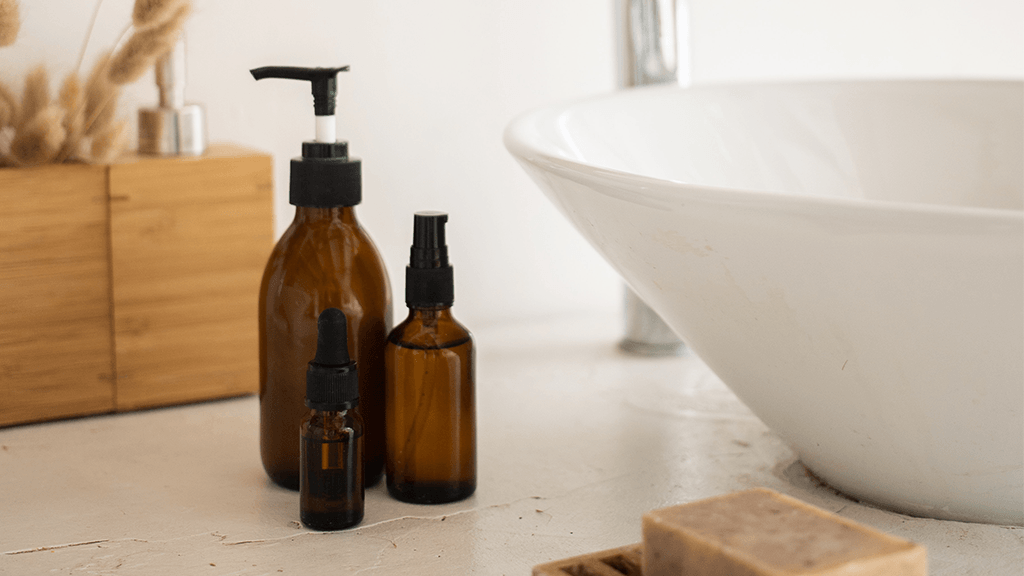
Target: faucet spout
x,y
652,42
649,53
648,40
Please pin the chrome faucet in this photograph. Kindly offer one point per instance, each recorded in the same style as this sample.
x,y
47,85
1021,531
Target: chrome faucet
x,y
649,53
648,43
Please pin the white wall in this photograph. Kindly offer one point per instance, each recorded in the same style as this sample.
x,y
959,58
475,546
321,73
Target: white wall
x,y
434,83
764,39
432,86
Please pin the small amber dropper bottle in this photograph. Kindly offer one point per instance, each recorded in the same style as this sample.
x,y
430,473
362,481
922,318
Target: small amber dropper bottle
x,y
430,406
331,434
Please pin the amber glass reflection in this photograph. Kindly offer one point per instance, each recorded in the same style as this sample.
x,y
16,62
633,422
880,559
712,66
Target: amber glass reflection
x,y
431,409
330,478
325,259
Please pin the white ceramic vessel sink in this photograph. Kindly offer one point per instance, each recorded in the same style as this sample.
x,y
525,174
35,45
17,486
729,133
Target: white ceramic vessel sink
x,y
848,257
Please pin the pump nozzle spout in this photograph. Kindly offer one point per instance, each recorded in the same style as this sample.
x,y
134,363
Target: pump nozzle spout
x,y
324,81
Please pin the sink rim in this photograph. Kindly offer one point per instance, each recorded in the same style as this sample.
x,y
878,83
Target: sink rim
x,y
522,139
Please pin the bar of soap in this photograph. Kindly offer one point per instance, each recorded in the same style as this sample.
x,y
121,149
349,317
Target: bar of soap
x,y
761,532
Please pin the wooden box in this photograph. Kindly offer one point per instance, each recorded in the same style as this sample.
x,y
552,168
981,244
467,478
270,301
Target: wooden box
x,y
132,285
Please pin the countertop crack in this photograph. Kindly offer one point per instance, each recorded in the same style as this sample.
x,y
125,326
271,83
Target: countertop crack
x,y
358,530
442,517
109,541
54,547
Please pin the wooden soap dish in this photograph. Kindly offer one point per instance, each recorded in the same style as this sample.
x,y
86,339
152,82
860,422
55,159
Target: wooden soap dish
x,y
624,561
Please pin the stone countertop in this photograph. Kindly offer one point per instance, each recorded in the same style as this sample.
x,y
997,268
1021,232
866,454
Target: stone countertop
x,y
575,440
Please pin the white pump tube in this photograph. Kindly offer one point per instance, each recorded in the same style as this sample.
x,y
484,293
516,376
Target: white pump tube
x,y
325,129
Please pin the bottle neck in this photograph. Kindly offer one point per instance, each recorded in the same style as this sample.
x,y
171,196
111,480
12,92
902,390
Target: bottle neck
x,y
311,215
431,314
330,413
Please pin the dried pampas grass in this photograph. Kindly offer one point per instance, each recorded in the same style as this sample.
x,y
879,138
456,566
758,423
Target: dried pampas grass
x,y
81,125
101,97
146,45
39,131
72,100
8,106
35,96
39,139
10,22
149,12
8,116
109,143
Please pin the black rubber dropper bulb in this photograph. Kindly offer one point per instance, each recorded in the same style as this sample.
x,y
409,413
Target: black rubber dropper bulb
x,y
429,278
332,380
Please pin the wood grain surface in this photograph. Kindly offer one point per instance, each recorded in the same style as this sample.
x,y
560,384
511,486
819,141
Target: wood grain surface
x,y
131,285
190,240
55,339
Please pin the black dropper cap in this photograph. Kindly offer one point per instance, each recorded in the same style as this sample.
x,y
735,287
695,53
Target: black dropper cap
x,y
429,278
332,380
324,177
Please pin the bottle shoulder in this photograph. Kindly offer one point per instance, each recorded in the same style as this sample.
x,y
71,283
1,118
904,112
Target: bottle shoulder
x,y
330,256
423,333
331,237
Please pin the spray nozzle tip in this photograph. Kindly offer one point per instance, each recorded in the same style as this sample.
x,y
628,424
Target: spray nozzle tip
x,y
428,229
429,278
428,245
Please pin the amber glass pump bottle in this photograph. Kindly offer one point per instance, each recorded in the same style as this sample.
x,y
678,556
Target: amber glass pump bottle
x,y
429,367
324,259
331,434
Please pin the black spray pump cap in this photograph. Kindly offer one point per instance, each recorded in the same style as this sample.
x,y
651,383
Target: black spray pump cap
x,y
324,177
429,278
332,380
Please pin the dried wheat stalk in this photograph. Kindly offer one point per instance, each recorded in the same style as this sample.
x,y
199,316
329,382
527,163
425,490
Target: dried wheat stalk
x,y
10,22
146,45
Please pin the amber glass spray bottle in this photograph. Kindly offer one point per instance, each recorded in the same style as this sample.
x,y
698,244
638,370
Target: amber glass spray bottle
x,y
331,434
324,259
430,405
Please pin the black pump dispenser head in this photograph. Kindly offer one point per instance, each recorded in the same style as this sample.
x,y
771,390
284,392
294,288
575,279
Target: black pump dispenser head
x,y
324,177
429,278
332,381
324,81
